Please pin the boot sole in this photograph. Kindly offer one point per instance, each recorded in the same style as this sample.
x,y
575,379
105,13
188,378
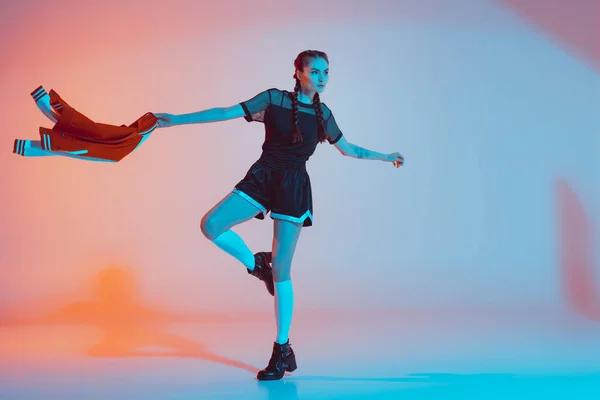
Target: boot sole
x,y
290,368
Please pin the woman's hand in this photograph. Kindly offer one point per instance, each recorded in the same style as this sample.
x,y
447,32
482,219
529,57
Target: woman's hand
x,y
396,159
165,120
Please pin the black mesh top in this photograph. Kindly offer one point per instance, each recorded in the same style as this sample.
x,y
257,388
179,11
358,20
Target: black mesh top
x,y
273,107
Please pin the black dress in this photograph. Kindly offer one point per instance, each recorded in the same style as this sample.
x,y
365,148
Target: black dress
x,y
278,181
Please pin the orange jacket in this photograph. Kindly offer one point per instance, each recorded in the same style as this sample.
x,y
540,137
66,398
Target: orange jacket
x,y
74,132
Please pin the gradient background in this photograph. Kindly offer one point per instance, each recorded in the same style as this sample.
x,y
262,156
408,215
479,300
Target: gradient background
x,y
494,105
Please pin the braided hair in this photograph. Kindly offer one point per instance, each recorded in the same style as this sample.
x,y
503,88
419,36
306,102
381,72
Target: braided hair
x,y
300,62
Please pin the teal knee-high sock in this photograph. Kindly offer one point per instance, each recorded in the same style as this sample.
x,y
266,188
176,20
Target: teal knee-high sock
x,y
233,244
284,307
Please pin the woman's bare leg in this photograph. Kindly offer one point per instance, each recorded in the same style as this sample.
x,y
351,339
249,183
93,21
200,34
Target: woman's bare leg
x,y
217,223
283,358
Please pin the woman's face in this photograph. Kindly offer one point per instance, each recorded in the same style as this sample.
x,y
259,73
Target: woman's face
x,y
315,75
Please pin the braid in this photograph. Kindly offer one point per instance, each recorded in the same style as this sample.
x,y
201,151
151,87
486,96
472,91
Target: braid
x,y
320,121
296,135
299,64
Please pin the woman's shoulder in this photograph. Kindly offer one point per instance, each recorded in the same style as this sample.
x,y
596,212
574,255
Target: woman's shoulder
x,y
326,111
275,94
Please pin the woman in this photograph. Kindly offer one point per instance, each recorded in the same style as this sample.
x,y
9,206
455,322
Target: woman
x,y
278,182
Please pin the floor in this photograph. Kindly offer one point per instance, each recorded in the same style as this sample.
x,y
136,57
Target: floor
x,y
400,354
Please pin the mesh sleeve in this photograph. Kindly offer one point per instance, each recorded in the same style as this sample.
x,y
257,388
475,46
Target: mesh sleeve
x,y
333,131
254,109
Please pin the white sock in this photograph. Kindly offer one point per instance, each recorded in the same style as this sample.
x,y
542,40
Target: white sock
x,y
232,244
284,307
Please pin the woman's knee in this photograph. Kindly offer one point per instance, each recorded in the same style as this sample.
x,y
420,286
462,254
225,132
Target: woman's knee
x,y
284,247
210,227
230,211
280,276
281,270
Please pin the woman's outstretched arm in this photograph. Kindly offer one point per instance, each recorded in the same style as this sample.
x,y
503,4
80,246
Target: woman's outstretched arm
x,y
354,151
200,117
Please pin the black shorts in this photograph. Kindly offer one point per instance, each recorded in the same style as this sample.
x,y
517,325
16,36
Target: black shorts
x,y
281,187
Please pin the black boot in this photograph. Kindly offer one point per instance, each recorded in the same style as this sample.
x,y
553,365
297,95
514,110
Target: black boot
x,y
263,271
283,359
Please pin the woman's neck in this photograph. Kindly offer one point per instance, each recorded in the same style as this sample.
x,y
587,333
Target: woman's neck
x,y
305,96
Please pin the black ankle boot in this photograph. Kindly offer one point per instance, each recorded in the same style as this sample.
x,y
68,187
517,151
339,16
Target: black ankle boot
x,y
263,271
283,359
